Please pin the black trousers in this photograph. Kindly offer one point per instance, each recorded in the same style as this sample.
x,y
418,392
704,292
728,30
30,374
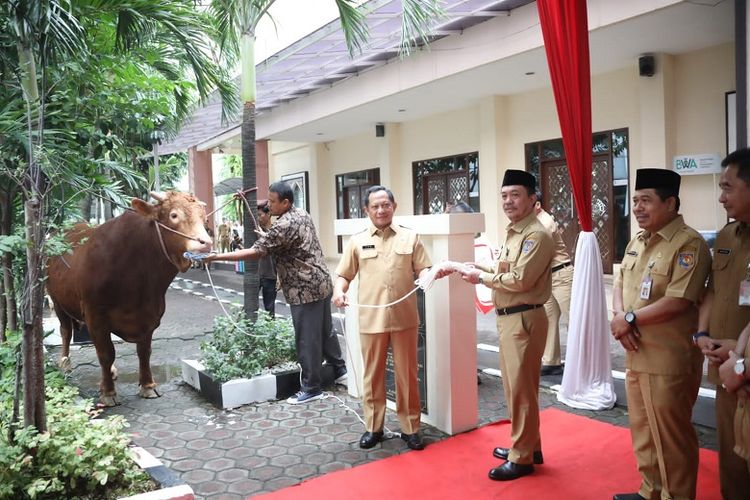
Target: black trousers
x,y
315,340
268,289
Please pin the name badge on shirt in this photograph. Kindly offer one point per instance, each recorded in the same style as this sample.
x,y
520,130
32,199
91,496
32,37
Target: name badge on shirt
x,y
368,247
745,289
646,284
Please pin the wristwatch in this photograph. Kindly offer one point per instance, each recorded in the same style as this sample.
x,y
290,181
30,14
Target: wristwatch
x,y
698,335
630,318
739,367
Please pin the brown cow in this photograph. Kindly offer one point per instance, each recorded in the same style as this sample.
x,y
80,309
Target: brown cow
x,y
118,274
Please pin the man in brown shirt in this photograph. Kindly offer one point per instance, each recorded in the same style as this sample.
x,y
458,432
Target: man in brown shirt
x,y
723,316
559,300
521,284
306,283
656,297
387,257
735,377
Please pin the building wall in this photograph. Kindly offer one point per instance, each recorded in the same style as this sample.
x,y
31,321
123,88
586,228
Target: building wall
x,y
680,110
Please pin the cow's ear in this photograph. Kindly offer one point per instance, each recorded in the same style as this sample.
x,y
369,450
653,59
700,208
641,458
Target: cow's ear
x,y
143,208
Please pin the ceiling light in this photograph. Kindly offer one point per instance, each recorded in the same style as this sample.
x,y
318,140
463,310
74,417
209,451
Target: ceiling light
x,y
529,73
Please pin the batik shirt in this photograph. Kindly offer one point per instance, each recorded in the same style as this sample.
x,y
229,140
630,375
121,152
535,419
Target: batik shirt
x,y
300,264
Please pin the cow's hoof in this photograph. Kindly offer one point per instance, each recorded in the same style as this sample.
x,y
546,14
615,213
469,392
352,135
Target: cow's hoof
x,y
113,371
65,364
148,393
109,401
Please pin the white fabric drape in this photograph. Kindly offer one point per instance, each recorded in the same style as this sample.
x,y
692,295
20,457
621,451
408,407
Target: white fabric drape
x,y
587,380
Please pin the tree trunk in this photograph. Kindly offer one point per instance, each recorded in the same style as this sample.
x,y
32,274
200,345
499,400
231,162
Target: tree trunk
x,y
86,205
9,287
33,350
13,424
249,180
249,176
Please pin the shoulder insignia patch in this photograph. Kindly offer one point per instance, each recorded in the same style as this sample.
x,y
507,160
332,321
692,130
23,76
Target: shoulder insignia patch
x,y
527,246
724,251
686,260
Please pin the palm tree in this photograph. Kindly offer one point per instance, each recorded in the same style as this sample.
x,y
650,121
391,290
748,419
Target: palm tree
x,y
35,36
237,21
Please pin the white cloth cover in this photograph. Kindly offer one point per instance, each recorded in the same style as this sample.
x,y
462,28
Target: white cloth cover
x,y
587,380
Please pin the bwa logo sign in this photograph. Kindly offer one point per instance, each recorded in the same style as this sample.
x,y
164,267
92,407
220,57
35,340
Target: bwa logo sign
x,y
697,164
686,163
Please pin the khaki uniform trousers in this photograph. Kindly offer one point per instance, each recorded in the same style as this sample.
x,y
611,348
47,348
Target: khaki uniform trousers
x,y
522,337
558,303
733,469
374,352
664,440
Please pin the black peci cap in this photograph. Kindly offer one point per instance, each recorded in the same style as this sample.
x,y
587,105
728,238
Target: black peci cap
x,y
519,178
658,178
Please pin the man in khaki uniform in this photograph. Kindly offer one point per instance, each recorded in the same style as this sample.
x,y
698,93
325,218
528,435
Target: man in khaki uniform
x,y
656,297
387,257
723,318
520,285
559,301
735,377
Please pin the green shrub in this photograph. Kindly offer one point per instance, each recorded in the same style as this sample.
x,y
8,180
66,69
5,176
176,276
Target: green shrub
x,y
75,458
239,348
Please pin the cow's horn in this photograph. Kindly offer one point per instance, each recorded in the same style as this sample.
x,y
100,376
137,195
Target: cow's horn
x,y
158,196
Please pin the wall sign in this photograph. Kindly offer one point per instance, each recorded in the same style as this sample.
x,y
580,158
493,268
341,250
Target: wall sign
x,y
697,164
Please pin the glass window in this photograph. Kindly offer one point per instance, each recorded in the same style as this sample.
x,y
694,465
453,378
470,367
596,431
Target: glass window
x,y
445,181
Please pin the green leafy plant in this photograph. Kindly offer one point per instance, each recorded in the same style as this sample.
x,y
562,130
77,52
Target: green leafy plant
x,y
239,348
76,458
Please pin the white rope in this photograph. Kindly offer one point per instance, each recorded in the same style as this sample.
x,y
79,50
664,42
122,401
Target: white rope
x,y
229,317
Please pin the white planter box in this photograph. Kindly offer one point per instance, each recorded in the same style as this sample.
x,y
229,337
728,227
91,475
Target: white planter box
x,y
171,486
244,391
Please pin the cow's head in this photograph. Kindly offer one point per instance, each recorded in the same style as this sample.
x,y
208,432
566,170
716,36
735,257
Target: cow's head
x,y
181,212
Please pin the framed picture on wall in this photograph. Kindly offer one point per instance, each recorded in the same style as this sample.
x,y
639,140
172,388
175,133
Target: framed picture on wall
x,y
730,100
301,189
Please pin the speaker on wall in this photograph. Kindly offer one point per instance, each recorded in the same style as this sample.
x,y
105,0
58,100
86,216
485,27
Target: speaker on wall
x,y
646,65
379,130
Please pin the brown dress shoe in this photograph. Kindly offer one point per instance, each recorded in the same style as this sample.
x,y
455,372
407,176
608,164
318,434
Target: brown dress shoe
x,y
510,471
502,454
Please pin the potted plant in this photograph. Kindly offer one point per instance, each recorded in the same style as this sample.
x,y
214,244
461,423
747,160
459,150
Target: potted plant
x,y
245,362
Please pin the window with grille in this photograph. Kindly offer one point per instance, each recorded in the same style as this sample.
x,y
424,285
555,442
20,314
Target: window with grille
x,y
441,182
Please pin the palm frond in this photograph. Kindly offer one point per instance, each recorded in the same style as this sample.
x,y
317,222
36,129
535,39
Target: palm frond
x,y
418,16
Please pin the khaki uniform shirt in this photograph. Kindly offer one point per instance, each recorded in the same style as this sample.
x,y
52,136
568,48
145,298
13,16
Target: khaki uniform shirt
x,y
387,262
742,421
730,267
561,255
300,264
678,261
522,274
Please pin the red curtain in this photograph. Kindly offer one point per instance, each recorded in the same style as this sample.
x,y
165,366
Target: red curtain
x,y
566,40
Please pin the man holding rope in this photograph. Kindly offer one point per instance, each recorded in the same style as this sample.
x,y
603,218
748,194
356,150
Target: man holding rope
x,y
387,256
306,283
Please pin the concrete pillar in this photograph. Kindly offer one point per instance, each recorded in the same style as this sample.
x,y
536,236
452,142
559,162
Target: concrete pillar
x,y
657,129
493,162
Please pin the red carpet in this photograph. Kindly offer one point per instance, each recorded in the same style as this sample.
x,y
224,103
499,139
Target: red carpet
x,y
584,459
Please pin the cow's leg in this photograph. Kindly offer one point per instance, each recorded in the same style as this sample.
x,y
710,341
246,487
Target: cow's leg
x,y
66,332
105,351
147,384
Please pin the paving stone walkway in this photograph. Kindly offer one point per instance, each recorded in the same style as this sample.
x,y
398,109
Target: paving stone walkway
x,y
257,448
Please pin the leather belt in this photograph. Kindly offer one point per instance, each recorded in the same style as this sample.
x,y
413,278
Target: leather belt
x,y
517,309
560,266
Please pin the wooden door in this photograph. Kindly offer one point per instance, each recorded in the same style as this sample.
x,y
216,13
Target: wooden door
x,y
558,201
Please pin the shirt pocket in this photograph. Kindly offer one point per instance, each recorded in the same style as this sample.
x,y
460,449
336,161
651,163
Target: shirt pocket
x,y
661,276
402,257
720,262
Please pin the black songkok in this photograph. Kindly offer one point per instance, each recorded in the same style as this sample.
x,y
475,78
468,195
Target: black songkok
x,y
519,178
658,178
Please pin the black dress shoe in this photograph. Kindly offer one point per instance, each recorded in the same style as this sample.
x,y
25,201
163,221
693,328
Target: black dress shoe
x,y
413,441
502,454
370,439
549,370
628,496
510,471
